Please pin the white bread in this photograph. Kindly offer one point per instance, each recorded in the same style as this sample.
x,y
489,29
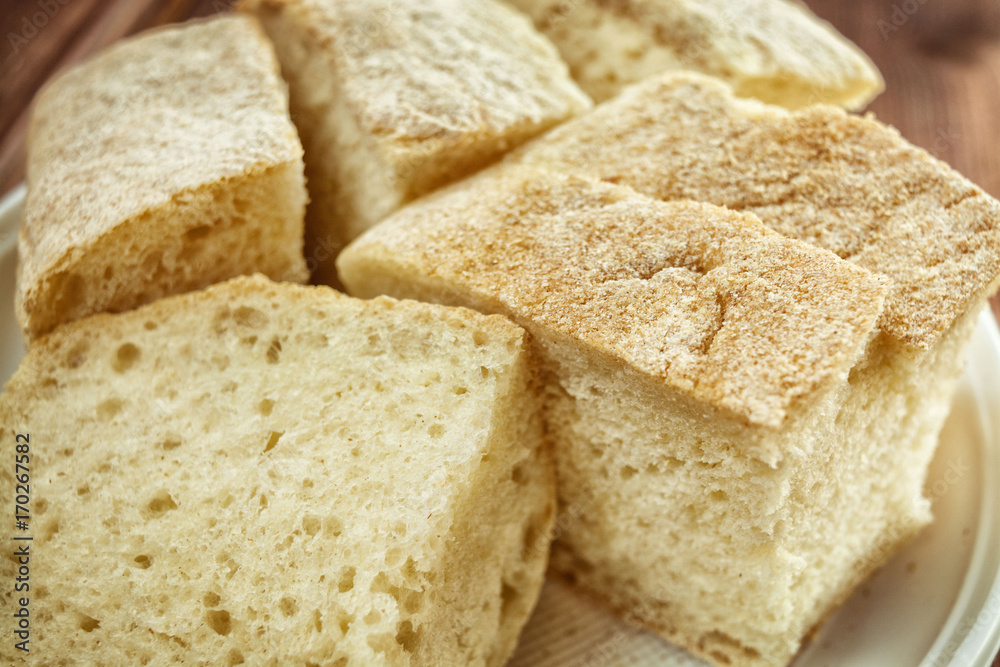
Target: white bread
x,y
848,184
737,444
270,474
163,165
774,50
394,99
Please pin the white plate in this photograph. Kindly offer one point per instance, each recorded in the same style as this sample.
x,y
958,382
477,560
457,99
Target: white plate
x,y
937,604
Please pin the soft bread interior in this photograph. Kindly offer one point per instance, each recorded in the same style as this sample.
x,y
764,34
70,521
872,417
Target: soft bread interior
x,y
269,474
245,224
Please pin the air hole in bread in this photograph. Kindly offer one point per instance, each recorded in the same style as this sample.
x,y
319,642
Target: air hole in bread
x,y
372,618
312,525
407,637
627,472
219,621
317,620
288,606
383,642
251,318
521,473
160,504
83,490
508,596
49,530
346,580
109,409
263,501
150,326
344,621
125,357
77,355
109,273
170,444
86,623
274,352
235,657
265,407
211,599
143,562
485,372
461,391
436,430
719,496
197,233
333,526
41,506
480,338
272,441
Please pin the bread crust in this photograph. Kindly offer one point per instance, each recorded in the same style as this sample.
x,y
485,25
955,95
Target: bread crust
x,y
703,299
141,127
774,50
844,183
431,81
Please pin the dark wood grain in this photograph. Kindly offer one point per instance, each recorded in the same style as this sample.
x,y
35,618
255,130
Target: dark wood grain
x,y
940,59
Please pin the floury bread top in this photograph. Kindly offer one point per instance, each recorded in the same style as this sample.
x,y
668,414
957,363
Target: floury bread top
x,y
848,184
707,300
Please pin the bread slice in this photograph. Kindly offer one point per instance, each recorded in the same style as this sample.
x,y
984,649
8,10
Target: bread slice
x,y
163,165
394,99
841,182
270,474
774,50
737,443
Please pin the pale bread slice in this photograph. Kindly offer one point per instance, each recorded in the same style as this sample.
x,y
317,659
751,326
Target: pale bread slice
x,y
848,184
165,164
271,474
737,444
395,98
773,50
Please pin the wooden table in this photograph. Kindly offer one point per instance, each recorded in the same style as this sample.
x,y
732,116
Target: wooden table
x,y
940,59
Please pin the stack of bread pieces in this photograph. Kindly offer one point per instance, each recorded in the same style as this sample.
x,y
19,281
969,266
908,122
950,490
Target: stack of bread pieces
x,y
712,326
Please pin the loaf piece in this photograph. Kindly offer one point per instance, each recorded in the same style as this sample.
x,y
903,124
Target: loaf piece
x,y
395,98
773,50
737,444
163,165
269,474
844,183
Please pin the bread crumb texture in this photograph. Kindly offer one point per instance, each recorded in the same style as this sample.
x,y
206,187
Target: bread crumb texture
x,y
707,300
844,183
276,475
165,164
774,50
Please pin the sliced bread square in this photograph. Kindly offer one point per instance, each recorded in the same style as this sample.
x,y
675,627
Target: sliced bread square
x,y
165,164
773,50
272,474
395,98
738,443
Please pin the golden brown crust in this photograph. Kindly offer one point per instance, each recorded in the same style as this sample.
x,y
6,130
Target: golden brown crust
x,y
705,299
841,182
125,132
431,81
